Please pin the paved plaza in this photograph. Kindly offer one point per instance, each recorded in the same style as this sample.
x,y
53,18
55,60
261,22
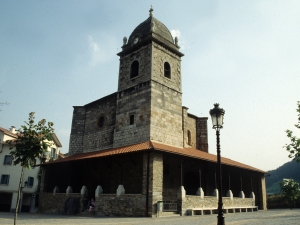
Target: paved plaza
x,y
269,217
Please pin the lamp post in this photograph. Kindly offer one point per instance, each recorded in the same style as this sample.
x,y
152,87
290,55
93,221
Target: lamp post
x,y
217,115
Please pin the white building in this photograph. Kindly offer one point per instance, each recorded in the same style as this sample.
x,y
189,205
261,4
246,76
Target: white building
x,y
10,175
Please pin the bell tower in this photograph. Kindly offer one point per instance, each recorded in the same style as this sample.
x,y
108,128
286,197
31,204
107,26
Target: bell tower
x,y
149,97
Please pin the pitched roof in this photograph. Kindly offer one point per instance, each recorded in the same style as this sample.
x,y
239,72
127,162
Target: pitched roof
x,y
8,132
152,145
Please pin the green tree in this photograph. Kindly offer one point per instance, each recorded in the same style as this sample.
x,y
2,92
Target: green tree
x,y
290,188
294,147
32,142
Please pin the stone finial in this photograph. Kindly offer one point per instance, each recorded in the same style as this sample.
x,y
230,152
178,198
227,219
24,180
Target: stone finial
x,y
69,190
84,191
55,190
120,190
98,191
216,193
151,11
241,194
176,41
181,193
200,192
229,194
252,195
124,40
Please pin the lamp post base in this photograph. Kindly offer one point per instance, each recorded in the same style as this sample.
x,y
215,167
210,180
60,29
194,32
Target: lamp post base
x,y
221,220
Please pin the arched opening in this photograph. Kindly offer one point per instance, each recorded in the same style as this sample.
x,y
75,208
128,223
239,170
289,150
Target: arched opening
x,y
134,70
167,70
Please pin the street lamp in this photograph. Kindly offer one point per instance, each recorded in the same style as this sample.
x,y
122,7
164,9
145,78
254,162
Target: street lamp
x,y
217,115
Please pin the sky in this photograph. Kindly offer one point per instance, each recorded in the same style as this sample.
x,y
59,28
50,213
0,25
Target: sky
x,y
244,55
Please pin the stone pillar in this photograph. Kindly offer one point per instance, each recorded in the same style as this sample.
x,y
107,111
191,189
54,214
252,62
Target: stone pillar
x,y
262,200
69,190
155,180
229,194
120,190
43,184
55,190
98,191
200,192
241,194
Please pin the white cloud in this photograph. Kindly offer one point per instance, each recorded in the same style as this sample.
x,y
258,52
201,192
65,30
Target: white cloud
x,y
100,47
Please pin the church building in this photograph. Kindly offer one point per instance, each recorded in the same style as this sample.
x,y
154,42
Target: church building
x,y
139,152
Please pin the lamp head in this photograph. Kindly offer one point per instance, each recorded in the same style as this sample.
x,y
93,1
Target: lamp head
x,y
217,116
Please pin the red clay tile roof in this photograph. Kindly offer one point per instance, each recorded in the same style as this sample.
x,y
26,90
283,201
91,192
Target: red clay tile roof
x,y
151,145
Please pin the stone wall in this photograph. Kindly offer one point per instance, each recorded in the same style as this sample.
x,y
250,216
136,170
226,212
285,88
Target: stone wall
x,y
143,56
166,115
95,137
77,130
55,204
123,205
202,137
160,55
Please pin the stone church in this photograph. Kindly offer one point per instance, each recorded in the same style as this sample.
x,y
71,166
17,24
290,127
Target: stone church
x,y
139,152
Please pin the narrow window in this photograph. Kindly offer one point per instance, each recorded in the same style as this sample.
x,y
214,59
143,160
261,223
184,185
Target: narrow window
x,y
101,121
7,160
167,70
134,70
4,179
131,119
189,138
30,182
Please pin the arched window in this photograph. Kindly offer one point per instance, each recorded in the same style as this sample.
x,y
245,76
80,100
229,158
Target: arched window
x,y
189,137
101,121
134,70
167,70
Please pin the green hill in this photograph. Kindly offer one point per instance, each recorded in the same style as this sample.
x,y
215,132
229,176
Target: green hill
x,y
288,170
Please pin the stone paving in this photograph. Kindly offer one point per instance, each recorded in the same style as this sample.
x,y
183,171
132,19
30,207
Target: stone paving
x,y
268,217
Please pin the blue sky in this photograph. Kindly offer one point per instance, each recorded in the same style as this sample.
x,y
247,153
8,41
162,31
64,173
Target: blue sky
x,y
244,55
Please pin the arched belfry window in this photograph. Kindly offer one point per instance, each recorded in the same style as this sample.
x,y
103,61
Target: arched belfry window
x,y
134,70
189,137
167,70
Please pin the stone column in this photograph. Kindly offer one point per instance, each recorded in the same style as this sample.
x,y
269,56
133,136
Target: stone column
x,y
262,200
181,208
120,190
155,179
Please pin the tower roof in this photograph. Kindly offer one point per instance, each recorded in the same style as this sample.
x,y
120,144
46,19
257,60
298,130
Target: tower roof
x,y
150,30
151,25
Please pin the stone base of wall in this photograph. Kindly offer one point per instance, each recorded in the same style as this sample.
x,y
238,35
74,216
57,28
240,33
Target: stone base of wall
x,y
57,204
211,202
124,205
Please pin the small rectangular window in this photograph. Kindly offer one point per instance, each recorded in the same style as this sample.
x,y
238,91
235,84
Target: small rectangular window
x,y
131,119
7,160
30,181
4,179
